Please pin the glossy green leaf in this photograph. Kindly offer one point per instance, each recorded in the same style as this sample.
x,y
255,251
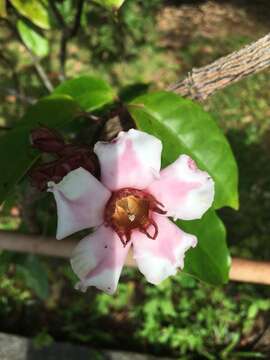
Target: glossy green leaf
x,y
184,127
90,92
34,274
16,155
32,39
110,4
33,10
210,260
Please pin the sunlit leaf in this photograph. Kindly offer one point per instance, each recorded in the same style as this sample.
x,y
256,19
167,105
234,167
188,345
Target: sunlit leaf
x,y
32,39
3,10
110,4
33,10
90,92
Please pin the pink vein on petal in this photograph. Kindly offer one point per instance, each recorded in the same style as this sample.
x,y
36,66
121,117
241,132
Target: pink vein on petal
x,y
129,160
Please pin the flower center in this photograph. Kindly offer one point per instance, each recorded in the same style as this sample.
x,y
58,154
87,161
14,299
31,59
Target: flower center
x,y
130,209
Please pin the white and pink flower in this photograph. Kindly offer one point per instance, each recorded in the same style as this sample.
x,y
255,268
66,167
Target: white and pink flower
x,y
131,206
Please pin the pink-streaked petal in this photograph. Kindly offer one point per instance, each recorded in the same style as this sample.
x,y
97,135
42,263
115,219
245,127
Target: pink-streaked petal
x,y
98,260
185,191
80,200
130,160
157,259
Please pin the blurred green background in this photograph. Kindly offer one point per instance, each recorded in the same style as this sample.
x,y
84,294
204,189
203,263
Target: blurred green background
x,y
154,42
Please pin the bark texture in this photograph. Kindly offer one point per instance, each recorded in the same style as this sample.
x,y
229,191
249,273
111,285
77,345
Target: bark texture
x,y
205,81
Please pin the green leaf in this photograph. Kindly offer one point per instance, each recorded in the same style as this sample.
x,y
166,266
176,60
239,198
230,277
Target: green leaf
x,y
90,92
110,4
3,10
34,274
130,92
210,259
32,39
33,10
184,127
16,155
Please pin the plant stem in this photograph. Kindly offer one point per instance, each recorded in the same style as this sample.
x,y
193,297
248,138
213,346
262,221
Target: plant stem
x,y
205,81
67,34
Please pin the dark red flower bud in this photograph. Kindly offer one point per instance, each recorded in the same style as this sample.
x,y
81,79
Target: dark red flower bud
x,y
69,157
47,140
56,170
41,174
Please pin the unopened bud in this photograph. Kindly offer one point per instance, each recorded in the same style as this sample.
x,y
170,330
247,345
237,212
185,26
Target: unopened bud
x,y
47,140
56,170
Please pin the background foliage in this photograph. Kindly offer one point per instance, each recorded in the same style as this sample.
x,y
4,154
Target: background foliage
x,y
148,43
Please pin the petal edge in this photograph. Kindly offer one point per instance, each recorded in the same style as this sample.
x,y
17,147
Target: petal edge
x,y
184,190
160,258
98,260
80,201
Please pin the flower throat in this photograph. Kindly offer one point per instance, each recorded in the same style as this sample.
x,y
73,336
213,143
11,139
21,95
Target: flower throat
x,y
129,209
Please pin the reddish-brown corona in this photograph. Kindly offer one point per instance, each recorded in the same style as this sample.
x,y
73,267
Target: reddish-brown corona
x,y
129,209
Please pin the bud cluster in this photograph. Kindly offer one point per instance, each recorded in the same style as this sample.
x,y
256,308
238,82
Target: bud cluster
x,y
68,157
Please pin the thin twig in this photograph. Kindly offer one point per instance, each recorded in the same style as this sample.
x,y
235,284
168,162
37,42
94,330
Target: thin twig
x,y
77,21
69,33
205,81
41,72
36,62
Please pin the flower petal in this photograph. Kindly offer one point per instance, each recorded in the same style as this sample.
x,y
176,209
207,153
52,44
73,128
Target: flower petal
x,y
157,259
80,200
130,160
98,260
184,190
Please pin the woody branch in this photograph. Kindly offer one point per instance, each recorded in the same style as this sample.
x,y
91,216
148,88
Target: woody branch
x,y
205,81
